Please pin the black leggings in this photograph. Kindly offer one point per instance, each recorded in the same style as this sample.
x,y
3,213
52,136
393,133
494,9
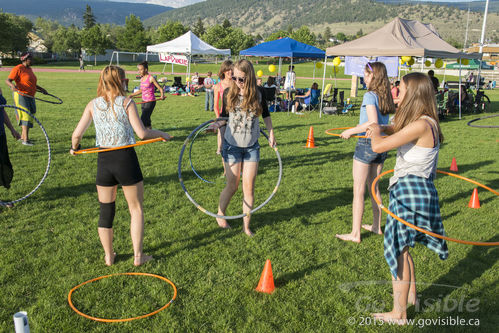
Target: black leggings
x,y
147,109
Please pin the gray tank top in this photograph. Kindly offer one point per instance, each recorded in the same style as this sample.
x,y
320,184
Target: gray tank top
x,y
112,127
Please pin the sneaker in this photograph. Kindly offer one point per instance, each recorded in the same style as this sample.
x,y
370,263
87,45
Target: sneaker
x,y
27,143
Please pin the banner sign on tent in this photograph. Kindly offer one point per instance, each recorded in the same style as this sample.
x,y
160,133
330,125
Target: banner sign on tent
x,y
356,65
176,59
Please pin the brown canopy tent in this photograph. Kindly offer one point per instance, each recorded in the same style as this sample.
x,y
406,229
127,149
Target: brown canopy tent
x,y
401,38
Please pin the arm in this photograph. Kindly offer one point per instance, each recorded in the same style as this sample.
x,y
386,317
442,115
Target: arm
x,y
7,123
216,102
156,84
410,133
306,94
268,125
372,116
137,125
85,121
10,84
137,93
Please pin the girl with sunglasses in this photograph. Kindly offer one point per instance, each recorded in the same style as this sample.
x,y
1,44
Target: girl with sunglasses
x,y
367,165
417,136
243,104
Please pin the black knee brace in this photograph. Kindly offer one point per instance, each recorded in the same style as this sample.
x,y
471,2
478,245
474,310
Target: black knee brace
x,y
106,215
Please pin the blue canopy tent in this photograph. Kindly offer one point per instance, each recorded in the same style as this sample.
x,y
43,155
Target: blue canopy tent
x,y
285,48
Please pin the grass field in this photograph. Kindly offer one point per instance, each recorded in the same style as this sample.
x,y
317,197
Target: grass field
x,y
49,242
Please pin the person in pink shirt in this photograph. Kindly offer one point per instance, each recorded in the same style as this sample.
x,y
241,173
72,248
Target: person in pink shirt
x,y
148,84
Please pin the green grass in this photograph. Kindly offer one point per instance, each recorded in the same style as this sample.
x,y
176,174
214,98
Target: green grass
x,y
49,242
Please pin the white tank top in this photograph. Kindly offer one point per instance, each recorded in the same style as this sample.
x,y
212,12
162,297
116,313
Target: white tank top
x,y
112,127
416,160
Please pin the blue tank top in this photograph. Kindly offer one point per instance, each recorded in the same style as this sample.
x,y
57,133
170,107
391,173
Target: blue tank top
x,y
112,127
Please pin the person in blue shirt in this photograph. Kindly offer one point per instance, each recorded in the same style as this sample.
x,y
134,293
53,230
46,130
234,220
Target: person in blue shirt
x,y
377,104
313,93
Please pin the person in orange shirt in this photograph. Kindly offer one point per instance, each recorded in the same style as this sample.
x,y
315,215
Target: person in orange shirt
x,y
24,92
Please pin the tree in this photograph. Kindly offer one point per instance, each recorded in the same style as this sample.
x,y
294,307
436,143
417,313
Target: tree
x,y
277,35
47,29
133,38
67,41
94,41
88,18
226,24
327,34
14,33
341,36
228,38
198,28
170,30
304,35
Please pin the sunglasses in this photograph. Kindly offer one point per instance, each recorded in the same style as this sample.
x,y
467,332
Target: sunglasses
x,y
239,79
369,65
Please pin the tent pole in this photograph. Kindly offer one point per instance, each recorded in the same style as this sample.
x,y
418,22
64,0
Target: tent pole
x,y
323,79
313,75
163,71
459,60
422,65
481,43
289,87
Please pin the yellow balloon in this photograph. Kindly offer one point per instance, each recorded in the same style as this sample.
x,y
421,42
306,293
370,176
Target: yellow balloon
x,y
406,58
427,63
187,79
337,61
411,61
259,73
318,65
439,63
272,68
401,61
465,62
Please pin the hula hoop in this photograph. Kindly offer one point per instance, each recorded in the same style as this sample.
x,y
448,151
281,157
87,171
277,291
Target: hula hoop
x,y
410,225
99,150
3,203
124,319
190,158
40,99
198,206
344,128
481,118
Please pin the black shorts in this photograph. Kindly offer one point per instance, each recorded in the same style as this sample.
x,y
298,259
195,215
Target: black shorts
x,y
118,167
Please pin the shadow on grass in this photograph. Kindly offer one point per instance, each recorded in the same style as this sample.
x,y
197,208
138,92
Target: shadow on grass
x,y
465,272
284,279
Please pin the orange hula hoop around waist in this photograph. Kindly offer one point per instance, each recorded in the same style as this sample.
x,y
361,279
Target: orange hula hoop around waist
x,y
410,225
102,150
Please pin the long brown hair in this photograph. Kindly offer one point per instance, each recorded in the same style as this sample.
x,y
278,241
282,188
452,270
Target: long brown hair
x,y
252,96
381,86
419,100
227,65
110,86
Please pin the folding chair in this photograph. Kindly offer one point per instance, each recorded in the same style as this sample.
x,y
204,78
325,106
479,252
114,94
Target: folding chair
x,y
333,100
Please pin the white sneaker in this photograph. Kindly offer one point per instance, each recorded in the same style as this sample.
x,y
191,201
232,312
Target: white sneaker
x,y
28,143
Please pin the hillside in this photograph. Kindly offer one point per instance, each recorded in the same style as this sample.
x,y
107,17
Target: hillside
x,y
475,6
347,16
68,12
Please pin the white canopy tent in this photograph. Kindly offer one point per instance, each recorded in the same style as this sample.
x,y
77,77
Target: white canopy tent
x,y
188,44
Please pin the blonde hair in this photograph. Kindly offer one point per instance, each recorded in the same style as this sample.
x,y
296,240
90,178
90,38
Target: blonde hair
x,y
252,97
380,85
227,65
419,100
110,86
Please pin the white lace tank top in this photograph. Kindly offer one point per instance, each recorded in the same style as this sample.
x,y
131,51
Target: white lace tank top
x,y
416,160
112,127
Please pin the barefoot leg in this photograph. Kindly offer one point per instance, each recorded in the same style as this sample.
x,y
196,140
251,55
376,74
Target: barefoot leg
x,y
233,174
250,170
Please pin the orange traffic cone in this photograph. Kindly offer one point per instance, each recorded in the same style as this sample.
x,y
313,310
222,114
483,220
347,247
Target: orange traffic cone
x,y
266,284
310,139
453,165
474,202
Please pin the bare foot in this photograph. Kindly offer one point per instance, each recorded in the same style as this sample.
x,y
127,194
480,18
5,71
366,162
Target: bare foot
x,y
348,237
222,223
369,227
248,232
110,259
390,317
412,299
140,260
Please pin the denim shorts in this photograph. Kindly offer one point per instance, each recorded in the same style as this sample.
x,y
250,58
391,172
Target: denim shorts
x,y
364,153
234,154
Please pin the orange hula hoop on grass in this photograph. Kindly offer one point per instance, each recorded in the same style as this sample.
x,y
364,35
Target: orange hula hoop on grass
x,y
125,319
102,150
410,225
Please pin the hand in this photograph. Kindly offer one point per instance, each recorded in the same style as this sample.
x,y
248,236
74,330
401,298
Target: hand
x,y
272,142
15,134
346,134
166,136
213,127
373,129
163,98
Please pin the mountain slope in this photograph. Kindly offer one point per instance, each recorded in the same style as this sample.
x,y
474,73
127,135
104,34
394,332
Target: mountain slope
x,y
68,12
347,16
